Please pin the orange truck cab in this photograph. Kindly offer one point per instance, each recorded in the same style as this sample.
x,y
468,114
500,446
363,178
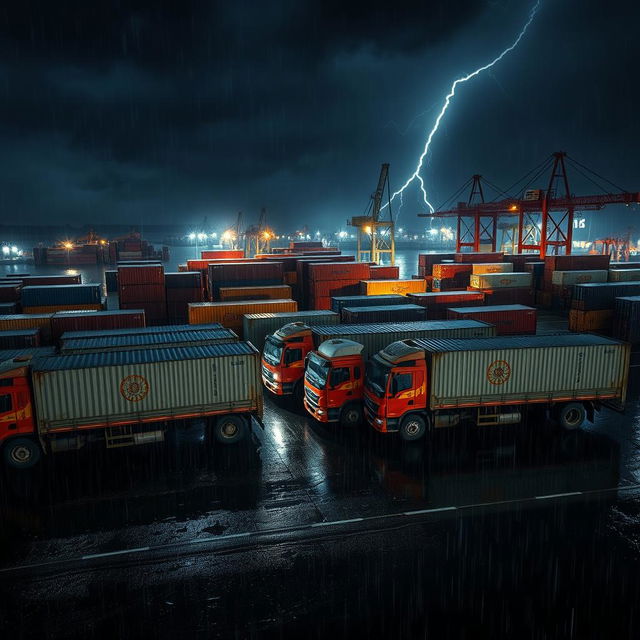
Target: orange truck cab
x,y
283,359
333,382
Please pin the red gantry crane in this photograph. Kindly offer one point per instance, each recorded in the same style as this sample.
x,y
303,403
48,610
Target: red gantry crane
x,y
545,217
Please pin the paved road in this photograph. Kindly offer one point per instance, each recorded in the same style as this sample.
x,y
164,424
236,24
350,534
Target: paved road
x,y
511,532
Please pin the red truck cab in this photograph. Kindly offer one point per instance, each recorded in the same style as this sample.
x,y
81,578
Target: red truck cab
x,y
17,415
396,388
333,382
283,359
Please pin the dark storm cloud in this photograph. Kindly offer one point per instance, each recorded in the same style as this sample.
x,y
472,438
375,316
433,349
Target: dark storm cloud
x,y
173,110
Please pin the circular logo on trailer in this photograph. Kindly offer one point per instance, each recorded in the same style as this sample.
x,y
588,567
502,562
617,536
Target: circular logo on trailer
x,y
498,372
134,388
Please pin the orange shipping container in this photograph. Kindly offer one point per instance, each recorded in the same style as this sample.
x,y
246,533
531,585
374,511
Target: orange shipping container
x,y
17,322
268,292
229,314
385,287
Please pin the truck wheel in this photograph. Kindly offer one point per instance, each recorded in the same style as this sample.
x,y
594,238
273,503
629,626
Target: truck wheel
x,y
571,415
351,416
229,429
413,428
22,453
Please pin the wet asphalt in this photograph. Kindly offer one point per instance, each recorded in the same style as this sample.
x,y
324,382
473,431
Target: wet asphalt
x,y
312,531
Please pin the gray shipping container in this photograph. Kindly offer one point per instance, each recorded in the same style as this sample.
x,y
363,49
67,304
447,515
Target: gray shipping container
x,y
375,337
101,389
499,371
256,326
148,340
135,331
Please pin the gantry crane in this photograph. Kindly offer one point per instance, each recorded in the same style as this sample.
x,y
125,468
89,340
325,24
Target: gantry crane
x,y
545,217
233,236
376,229
257,237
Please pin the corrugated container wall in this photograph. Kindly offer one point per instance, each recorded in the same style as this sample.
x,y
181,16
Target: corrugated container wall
x,y
66,294
229,314
338,302
256,326
20,339
592,296
476,257
384,313
508,319
518,369
145,384
384,272
492,267
136,331
626,321
268,292
19,321
568,278
624,275
500,280
66,321
386,287
375,337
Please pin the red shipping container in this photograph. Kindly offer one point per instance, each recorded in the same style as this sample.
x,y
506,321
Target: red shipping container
x,y
518,260
339,271
508,319
321,304
429,259
221,253
477,257
446,298
132,293
245,271
510,295
64,321
384,272
143,274
577,262
155,312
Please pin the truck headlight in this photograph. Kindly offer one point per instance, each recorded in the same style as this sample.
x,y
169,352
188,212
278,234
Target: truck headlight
x,y
276,376
320,412
378,421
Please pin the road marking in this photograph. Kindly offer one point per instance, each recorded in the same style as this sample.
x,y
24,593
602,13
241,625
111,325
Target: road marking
x,y
420,511
218,538
115,553
334,522
559,495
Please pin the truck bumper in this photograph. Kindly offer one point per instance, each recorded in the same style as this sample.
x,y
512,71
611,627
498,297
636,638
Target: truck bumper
x,y
321,414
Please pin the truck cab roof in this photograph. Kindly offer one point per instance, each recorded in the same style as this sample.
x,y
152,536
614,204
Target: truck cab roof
x,y
291,329
401,351
340,348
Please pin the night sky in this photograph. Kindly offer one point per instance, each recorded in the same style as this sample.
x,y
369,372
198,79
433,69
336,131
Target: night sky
x,y
150,112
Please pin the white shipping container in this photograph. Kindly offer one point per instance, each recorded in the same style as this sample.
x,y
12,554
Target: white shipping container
x,y
568,278
492,267
104,389
256,326
501,280
499,371
624,275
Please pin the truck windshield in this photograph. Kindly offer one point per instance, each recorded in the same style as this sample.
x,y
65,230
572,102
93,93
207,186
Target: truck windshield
x,y
273,351
376,377
317,371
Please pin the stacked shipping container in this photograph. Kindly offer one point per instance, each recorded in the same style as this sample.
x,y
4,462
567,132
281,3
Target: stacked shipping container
x,y
142,287
181,288
331,279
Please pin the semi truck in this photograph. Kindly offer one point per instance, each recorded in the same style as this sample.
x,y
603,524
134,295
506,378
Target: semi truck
x,y
120,398
334,371
413,386
284,352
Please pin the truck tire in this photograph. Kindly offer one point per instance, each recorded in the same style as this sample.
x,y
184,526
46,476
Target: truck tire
x,y
22,453
571,415
229,429
413,427
351,415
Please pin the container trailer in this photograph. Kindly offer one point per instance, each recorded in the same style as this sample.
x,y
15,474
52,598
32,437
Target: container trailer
x,y
334,371
415,385
124,398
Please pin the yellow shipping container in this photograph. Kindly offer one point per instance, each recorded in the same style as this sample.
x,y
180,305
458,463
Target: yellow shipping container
x,y
492,267
600,320
229,314
63,307
386,287
17,322
269,292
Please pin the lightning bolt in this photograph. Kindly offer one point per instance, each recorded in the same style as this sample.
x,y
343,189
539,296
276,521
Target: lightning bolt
x,y
447,101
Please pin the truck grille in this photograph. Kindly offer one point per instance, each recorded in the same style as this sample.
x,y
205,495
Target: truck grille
x,y
371,406
312,398
267,374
